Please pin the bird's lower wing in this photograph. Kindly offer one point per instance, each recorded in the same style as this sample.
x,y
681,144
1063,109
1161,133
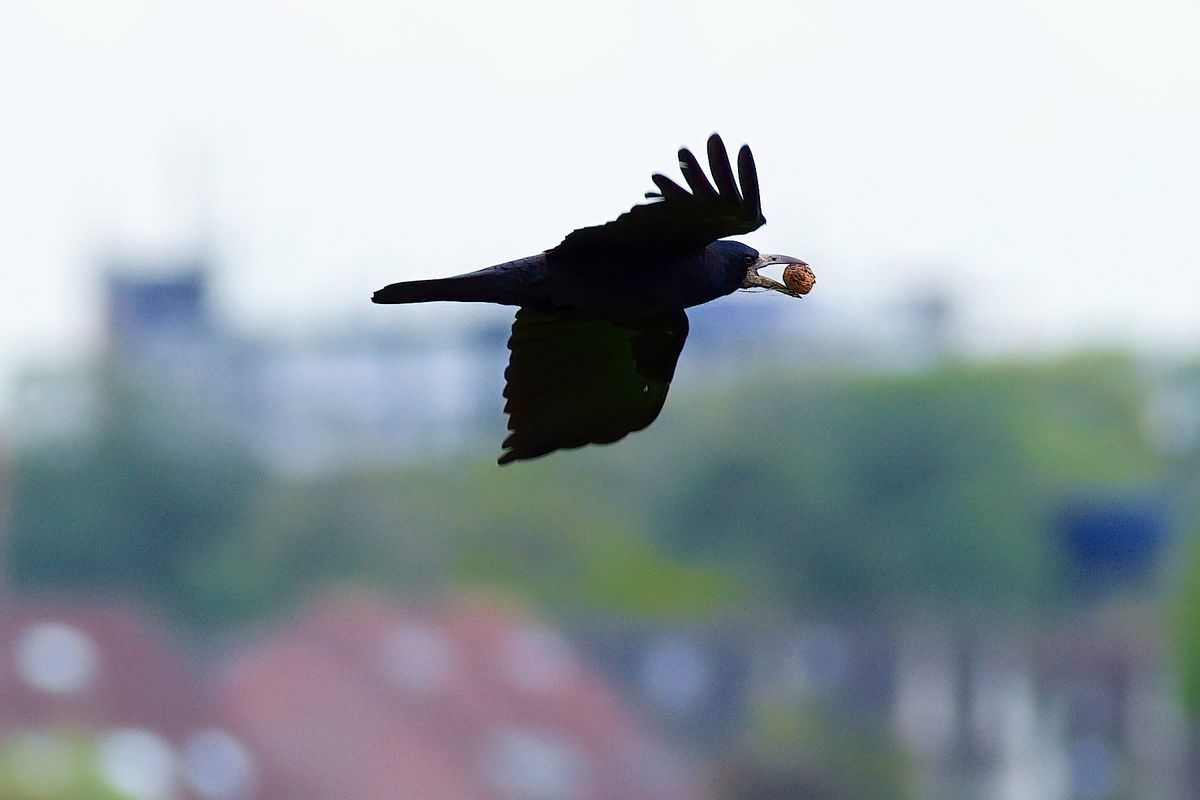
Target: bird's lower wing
x,y
573,381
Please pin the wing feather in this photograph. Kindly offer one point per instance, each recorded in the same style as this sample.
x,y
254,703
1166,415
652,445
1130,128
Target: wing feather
x,y
669,189
718,163
748,177
696,179
575,380
681,220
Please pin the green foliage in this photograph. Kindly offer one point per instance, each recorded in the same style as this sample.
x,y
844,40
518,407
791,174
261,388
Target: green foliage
x,y
1186,619
1187,632
902,491
52,766
865,492
577,549
295,536
797,749
871,494
133,506
1080,421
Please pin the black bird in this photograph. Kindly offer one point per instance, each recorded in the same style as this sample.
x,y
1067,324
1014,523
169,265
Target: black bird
x,y
601,321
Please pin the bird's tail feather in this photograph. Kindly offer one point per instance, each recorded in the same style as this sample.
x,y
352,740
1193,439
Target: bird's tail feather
x,y
477,287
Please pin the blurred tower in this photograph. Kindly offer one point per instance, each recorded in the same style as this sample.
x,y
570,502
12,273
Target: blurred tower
x,y
154,306
162,333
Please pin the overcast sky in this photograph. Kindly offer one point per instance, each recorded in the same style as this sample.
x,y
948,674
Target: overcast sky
x,y
1037,158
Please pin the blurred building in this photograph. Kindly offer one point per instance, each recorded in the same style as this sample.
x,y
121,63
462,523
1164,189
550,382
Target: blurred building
x,y
94,665
362,698
312,405
1053,712
97,700
359,697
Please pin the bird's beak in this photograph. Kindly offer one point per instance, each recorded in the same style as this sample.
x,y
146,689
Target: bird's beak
x,y
798,277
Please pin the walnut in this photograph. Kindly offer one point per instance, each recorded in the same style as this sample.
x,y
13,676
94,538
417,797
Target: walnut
x,y
799,278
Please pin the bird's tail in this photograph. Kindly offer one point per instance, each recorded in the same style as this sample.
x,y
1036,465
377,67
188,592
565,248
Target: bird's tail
x,y
476,287
510,284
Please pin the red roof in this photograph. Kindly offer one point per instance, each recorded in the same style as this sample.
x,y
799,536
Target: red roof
x,y
88,665
368,699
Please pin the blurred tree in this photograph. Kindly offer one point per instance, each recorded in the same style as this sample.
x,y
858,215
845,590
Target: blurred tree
x,y
887,493
795,749
52,766
1187,631
297,535
906,490
132,507
581,548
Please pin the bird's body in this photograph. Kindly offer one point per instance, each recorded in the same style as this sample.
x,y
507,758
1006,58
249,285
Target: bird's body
x,y
601,320
649,286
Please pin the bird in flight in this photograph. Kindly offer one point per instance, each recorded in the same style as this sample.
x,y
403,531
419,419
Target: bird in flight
x,y
600,321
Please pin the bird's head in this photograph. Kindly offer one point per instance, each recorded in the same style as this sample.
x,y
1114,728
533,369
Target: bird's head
x,y
798,278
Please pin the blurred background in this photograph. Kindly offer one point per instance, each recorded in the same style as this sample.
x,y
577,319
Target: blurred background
x,y
931,532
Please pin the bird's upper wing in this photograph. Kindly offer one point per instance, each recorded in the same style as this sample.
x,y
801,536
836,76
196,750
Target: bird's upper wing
x,y
679,220
574,381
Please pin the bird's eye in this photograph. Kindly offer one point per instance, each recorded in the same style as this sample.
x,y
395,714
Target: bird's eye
x,y
749,261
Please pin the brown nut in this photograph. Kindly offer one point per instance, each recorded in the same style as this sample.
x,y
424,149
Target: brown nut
x,y
799,278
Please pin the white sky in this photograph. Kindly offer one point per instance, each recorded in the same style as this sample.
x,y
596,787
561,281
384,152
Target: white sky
x,y
1038,158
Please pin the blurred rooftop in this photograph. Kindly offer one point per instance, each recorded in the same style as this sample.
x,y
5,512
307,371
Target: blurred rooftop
x,y
357,697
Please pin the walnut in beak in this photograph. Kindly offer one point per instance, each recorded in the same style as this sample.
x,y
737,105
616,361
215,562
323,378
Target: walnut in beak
x,y
798,277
